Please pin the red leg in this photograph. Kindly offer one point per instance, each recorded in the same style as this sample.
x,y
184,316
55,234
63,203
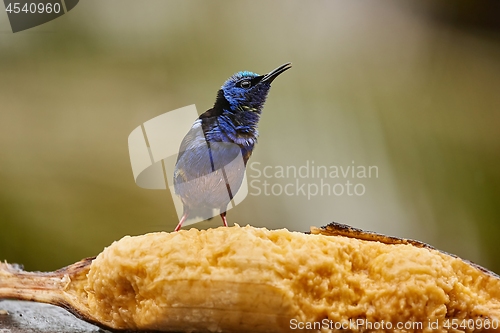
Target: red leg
x,y
223,217
183,218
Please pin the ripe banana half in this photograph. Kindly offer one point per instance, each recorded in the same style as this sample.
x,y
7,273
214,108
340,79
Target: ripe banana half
x,y
246,279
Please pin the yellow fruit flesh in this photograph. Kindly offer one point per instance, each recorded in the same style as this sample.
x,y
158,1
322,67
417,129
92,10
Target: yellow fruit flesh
x,y
256,280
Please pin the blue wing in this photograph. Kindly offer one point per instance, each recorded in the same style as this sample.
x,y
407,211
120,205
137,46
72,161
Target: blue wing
x,y
207,174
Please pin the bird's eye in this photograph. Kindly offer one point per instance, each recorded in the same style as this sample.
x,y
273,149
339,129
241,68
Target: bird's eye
x,y
245,84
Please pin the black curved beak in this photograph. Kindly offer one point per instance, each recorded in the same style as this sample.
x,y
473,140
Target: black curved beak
x,y
269,77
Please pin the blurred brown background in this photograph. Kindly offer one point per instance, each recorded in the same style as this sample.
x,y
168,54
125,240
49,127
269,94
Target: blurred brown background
x,y
410,87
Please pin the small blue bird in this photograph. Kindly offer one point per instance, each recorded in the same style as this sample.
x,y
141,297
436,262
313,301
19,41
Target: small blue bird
x,y
213,155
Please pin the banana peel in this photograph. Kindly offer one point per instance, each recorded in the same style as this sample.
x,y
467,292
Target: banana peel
x,y
246,279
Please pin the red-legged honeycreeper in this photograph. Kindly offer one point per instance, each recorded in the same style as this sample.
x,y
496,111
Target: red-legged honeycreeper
x,y
213,155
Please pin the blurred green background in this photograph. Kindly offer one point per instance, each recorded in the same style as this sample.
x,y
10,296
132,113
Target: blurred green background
x,y
410,87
